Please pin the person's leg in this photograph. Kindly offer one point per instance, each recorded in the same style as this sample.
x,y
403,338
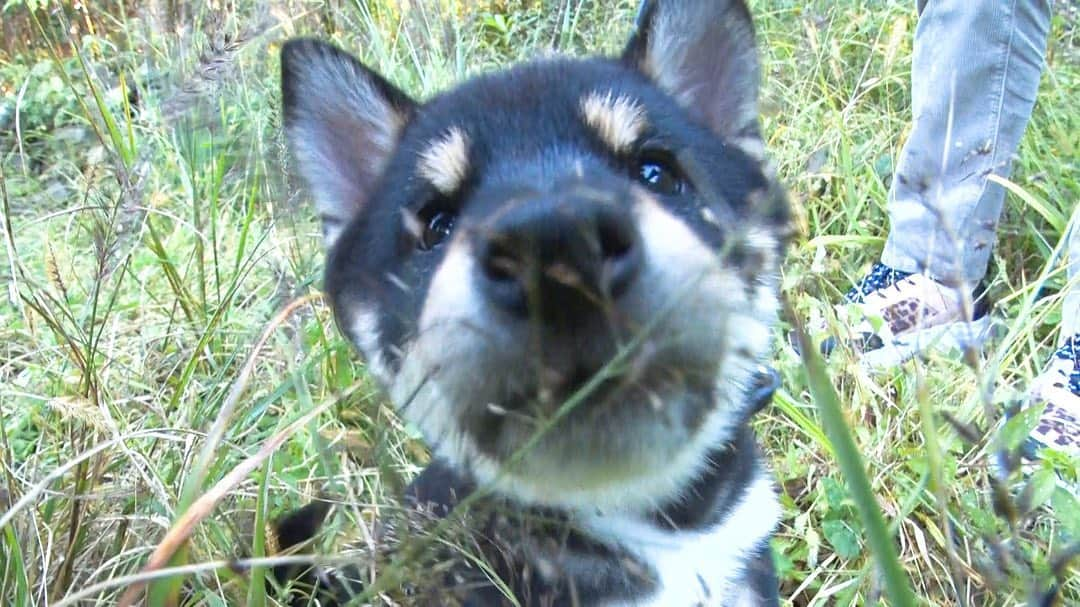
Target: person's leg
x,y
975,73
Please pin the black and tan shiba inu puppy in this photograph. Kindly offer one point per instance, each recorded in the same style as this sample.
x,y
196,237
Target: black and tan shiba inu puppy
x,y
566,275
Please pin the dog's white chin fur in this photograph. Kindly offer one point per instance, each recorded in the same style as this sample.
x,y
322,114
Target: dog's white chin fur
x,y
649,475
644,467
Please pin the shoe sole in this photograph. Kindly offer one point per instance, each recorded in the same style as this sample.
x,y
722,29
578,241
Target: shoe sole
x,y
943,339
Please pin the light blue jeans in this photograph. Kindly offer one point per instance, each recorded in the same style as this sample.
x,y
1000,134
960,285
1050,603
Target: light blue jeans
x,y
975,72
974,76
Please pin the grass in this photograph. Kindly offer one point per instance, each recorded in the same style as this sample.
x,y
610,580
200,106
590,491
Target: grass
x,y
152,241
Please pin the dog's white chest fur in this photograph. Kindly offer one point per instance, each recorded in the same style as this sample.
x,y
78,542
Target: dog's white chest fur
x,y
697,568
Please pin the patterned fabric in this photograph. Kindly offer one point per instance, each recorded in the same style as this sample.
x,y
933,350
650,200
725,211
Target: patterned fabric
x,y
879,277
907,303
1059,387
892,316
1070,352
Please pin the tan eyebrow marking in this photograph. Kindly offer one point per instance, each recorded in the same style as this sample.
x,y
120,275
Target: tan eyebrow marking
x,y
619,120
445,162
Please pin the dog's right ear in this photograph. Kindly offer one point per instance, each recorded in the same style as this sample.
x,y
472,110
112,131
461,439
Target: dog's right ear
x,y
342,121
703,53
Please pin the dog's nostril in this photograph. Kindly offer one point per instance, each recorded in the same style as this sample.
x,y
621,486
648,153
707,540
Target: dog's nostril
x,y
501,269
619,250
616,239
503,273
501,264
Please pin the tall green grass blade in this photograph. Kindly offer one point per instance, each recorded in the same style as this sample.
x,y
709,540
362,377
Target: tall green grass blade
x,y
256,595
13,570
166,592
897,585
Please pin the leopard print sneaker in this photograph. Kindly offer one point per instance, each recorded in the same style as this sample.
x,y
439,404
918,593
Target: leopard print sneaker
x,y
1059,387
879,277
898,315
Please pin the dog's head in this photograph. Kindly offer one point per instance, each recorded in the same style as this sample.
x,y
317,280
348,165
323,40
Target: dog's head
x,y
564,273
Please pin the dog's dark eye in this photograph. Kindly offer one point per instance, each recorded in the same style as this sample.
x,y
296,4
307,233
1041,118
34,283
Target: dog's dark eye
x,y
659,176
437,229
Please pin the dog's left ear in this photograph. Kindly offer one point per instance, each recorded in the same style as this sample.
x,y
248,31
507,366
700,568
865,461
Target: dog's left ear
x,y
342,121
703,53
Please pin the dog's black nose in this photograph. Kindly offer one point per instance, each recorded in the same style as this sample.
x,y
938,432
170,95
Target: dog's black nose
x,y
557,258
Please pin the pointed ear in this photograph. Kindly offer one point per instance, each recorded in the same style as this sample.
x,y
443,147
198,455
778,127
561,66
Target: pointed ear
x,y
703,53
342,121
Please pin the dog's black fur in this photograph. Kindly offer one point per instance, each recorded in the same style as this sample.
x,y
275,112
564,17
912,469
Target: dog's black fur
x,y
565,274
